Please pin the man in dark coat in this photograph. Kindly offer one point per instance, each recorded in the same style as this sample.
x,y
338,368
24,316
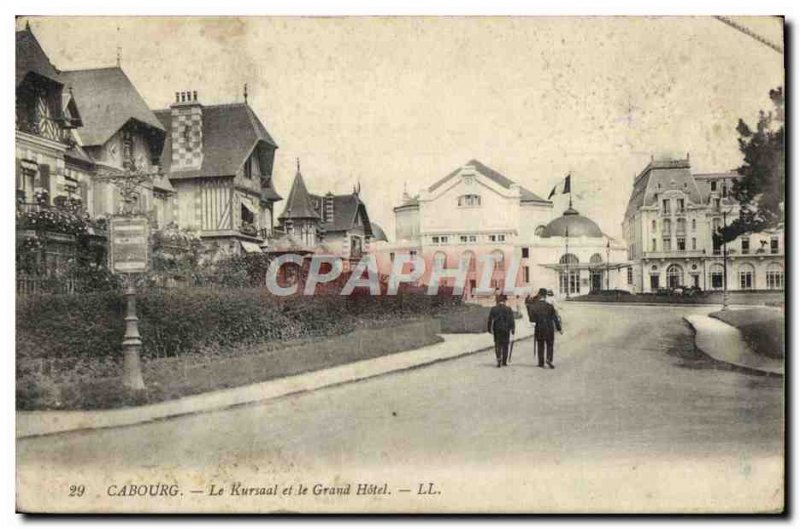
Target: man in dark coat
x,y
502,326
547,321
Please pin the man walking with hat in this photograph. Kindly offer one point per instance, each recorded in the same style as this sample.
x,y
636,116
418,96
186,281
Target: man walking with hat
x,y
547,321
502,326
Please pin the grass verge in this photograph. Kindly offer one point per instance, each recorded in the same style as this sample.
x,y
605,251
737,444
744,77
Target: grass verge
x,y
762,329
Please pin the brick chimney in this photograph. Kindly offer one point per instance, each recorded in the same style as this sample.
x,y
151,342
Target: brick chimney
x,y
327,208
187,132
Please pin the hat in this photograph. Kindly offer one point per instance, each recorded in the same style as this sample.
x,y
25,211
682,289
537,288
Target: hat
x,y
502,297
543,292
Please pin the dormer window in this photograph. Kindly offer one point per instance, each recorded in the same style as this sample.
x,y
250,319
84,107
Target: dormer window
x,y
469,200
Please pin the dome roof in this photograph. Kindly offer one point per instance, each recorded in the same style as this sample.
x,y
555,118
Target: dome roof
x,y
573,224
377,233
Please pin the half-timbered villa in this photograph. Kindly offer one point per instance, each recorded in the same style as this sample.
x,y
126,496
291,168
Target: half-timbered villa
x,y
120,133
219,160
338,223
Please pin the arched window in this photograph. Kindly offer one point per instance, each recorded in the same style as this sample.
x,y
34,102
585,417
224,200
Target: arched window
x,y
440,260
716,272
596,259
539,230
775,276
680,227
468,260
568,258
499,260
674,276
746,276
469,200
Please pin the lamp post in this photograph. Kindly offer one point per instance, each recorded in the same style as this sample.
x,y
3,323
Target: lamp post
x,y
608,265
724,264
132,246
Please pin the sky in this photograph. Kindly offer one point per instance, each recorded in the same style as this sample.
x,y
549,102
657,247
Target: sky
x,y
396,102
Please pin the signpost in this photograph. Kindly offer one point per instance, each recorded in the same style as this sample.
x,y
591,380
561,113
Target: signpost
x,y
128,254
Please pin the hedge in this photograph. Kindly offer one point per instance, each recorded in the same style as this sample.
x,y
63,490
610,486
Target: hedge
x,y
176,321
74,341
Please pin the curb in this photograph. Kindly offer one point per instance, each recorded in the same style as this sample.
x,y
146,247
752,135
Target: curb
x,y
45,423
750,370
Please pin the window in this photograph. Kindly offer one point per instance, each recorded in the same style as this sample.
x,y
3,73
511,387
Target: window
x,y
440,260
653,225
439,239
653,245
680,227
412,254
569,282
248,171
469,200
681,244
745,245
667,245
499,260
525,253
568,258
717,274
596,259
717,203
526,275
630,275
435,239
391,257
674,276
665,207
694,224
775,276
538,231
444,239
724,190
773,245
468,261
463,238
473,238
746,272
713,185
694,243
654,281
680,205
666,227
497,238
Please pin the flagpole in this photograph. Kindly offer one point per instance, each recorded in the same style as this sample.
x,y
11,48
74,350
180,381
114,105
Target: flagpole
x,y
566,258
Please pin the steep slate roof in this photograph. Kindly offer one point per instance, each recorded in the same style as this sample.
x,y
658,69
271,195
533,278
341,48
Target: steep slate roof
x,y
299,205
671,174
525,194
107,100
268,193
32,58
230,132
345,209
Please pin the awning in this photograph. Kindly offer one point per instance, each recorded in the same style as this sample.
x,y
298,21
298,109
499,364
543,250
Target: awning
x,y
250,247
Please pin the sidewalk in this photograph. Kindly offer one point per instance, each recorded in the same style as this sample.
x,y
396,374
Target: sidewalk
x,y
34,423
724,343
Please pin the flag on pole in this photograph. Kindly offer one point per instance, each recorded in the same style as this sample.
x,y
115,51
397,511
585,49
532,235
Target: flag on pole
x,y
563,187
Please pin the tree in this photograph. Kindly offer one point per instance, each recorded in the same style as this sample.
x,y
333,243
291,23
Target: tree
x,y
760,191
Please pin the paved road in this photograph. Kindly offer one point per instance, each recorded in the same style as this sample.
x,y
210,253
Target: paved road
x,y
631,419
